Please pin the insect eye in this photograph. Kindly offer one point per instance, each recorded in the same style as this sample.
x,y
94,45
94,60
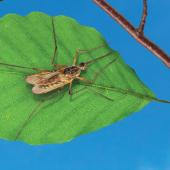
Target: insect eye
x,y
82,64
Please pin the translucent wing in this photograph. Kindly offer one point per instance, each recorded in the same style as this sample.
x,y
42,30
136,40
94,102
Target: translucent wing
x,y
40,77
41,89
47,81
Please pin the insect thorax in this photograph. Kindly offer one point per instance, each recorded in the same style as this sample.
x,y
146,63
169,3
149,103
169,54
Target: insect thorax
x,y
72,70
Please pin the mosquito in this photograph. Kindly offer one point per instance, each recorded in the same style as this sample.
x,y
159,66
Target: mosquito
x,y
45,81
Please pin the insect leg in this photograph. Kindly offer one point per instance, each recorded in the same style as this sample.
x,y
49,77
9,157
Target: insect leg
x,y
55,44
98,58
100,94
84,80
77,91
70,88
57,66
28,119
17,66
32,114
79,52
97,74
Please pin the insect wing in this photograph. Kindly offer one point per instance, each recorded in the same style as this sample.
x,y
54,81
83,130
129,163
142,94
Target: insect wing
x,y
41,89
48,85
40,77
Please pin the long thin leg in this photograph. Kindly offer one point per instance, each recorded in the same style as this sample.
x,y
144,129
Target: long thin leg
x,y
28,119
17,66
53,57
77,91
79,52
97,74
55,43
59,66
84,80
98,58
70,88
94,79
32,114
100,94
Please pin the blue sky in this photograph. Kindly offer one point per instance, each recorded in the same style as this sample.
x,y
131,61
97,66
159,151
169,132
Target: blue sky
x,y
139,142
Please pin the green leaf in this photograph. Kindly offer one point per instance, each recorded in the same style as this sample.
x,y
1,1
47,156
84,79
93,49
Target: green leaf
x,y
28,41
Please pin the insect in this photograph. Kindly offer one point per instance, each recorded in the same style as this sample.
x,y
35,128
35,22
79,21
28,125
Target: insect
x,y
46,81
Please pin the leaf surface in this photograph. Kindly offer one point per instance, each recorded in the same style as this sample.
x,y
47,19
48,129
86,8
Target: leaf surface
x,y
28,41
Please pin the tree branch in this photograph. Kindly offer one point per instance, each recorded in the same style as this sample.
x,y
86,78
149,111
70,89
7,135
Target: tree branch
x,y
137,33
140,29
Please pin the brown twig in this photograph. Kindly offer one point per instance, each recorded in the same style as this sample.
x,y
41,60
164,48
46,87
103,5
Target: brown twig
x,y
137,33
140,29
